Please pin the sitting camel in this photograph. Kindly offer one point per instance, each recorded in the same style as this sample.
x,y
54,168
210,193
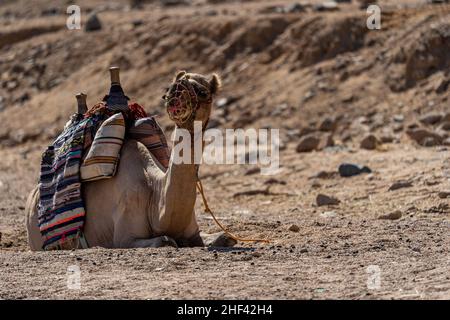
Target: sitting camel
x,y
143,205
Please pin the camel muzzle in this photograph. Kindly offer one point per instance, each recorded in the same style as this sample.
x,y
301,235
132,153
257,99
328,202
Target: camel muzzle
x,y
181,101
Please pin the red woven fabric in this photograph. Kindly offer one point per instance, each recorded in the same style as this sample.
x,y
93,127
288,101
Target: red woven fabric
x,y
135,111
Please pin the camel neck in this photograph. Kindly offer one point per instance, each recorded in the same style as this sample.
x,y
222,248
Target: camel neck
x,y
179,191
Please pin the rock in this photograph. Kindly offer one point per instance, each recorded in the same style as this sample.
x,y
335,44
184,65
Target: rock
x,y
430,142
252,171
424,137
93,23
400,185
443,127
369,142
391,216
431,118
327,6
294,228
442,86
293,8
349,169
328,125
308,143
399,118
324,200
223,102
323,175
328,214
172,3
444,194
137,22
223,240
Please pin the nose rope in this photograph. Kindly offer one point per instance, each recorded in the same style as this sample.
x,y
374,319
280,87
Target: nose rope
x,y
207,209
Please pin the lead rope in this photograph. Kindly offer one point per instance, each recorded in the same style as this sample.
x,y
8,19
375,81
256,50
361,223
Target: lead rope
x,y
207,209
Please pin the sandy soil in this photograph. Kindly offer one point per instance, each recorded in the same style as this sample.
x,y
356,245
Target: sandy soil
x,y
369,83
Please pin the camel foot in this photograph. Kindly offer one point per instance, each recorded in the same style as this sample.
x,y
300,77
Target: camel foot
x,y
165,241
219,239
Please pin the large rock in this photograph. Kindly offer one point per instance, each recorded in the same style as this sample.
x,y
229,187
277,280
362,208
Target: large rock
x,y
424,137
324,200
369,142
431,118
391,216
350,170
308,143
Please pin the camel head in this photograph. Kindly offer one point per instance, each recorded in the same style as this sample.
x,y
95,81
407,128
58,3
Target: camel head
x,y
189,98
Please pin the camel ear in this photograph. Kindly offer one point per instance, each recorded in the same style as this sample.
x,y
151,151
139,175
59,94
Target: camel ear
x,y
179,75
215,83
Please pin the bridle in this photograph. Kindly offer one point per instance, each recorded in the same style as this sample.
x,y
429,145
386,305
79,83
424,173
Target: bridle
x,y
184,97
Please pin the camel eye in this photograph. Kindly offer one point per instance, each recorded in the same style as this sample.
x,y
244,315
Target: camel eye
x,y
203,94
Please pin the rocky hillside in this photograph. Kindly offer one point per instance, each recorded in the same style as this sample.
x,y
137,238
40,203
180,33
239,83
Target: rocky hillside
x,y
306,68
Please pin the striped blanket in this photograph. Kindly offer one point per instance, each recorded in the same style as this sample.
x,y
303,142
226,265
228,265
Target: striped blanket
x,y
61,209
149,133
87,150
102,156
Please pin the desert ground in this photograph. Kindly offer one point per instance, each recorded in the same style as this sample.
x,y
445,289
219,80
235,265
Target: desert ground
x,y
337,91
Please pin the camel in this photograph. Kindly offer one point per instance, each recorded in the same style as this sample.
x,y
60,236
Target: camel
x,y
143,205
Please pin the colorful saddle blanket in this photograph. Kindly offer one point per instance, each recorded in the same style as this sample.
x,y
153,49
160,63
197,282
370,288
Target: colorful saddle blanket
x,y
61,209
87,150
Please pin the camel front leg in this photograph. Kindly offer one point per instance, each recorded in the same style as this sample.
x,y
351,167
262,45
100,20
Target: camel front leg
x,y
158,242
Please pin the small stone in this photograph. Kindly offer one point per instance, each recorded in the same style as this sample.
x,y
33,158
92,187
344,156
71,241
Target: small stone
x,y
444,194
327,6
349,170
399,118
293,8
431,118
391,216
369,142
400,185
294,228
93,23
308,143
328,125
324,200
324,175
